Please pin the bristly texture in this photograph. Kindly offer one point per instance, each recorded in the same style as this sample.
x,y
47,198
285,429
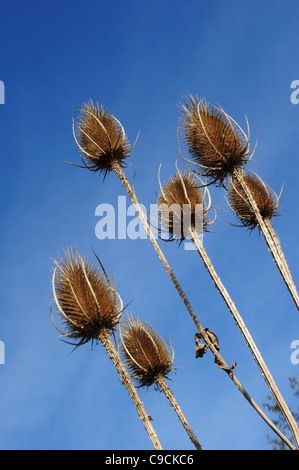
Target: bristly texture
x,y
217,144
181,205
101,139
265,198
84,297
144,352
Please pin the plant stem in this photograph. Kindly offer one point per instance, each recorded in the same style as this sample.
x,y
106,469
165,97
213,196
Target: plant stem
x,y
112,353
284,272
271,239
242,327
283,265
176,284
169,395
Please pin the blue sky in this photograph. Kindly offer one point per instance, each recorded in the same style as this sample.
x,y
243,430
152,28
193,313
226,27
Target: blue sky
x,y
140,59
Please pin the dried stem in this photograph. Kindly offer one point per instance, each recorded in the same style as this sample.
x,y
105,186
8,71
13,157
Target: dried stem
x,y
270,237
202,332
112,353
284,272
283,266
242,327
169,395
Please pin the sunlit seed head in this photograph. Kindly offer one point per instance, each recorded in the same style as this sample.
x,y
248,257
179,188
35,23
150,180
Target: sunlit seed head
x,y
216,144
144,352
101,139
86,301
181,203
264,197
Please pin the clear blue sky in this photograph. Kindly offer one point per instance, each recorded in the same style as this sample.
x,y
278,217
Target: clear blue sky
x,y
139,59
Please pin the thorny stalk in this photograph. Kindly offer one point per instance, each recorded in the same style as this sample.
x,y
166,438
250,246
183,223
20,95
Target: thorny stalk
x,y
259,217
246,334
169,395
281,262
284,272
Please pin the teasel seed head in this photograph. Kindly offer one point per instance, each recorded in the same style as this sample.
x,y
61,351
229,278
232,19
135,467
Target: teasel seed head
x,y
265,198
145,353
216,143
87,302
182,206
101,139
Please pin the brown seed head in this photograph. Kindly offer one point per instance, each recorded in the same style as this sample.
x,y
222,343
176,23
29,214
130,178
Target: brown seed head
x,y
84,297
101,139
265,199
182,205
217,145
144,352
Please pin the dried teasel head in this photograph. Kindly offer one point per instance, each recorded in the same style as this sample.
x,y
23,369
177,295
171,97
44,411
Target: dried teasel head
x,y
101,139
144,352
216,143
87,302
265,198
182,206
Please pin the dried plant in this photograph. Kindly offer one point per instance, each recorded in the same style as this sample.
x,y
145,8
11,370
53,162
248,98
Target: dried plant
x,y
255,204
265,198
181,205
150,361
86,301
168,193
101,138
90,308
116,166
219,147
216,143
144,352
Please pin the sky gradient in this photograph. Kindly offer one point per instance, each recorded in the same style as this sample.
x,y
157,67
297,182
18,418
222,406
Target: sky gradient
x,y
140,59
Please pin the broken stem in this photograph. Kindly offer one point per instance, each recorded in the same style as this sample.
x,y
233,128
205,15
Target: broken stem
x,y
242,327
